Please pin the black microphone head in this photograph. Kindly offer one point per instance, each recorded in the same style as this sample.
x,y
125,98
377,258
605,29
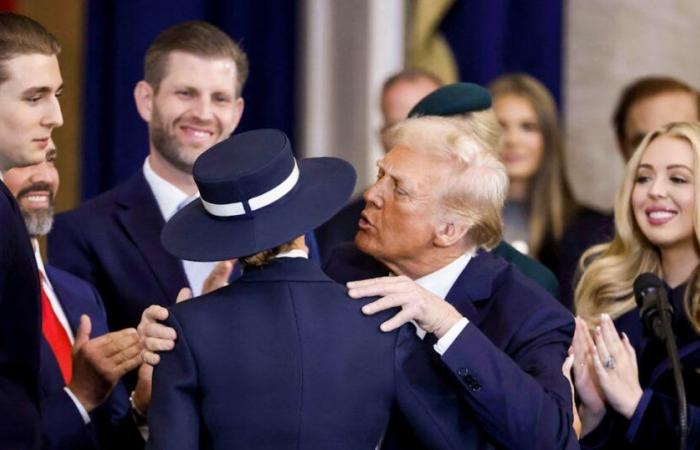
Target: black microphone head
x,y
644,282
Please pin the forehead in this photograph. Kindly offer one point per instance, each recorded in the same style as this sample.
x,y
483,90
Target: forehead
x,y
32,71
513,105
414,166
401,97
668,150
192,70
653,112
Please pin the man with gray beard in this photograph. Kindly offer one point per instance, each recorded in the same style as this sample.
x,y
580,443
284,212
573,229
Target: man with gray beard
x,y
81,386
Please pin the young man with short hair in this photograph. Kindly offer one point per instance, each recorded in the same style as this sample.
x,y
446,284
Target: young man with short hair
x,y
30,83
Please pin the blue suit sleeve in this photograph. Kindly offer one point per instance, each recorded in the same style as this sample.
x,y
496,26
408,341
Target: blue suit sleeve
x,y
62,425
173,416
521,399
656,421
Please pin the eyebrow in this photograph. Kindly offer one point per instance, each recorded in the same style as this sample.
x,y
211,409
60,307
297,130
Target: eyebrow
x,y
41,90
670,166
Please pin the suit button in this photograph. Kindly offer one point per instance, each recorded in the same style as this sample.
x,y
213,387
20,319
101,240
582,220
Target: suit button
x,y
472,383
462,372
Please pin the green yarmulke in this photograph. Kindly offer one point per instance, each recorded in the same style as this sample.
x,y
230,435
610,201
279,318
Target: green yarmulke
x,y
453,99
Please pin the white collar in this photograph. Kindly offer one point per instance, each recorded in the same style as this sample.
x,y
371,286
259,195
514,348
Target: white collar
x,y
293,253
169,197
441,281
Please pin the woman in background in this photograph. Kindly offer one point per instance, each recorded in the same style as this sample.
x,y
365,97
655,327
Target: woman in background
x,y
625,385
540,202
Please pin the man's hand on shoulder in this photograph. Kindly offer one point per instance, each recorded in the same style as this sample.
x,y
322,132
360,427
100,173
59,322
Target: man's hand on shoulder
x,y
430,312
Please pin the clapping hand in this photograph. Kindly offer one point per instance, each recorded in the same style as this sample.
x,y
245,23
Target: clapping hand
x,y
615,363
592,408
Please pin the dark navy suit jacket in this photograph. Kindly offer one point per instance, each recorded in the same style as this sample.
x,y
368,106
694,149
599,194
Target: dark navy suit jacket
x,y
20,325
284,359
63,426
505,365
113,241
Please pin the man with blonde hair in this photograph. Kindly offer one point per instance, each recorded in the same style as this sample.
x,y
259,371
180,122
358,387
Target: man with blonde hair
x,y
497,338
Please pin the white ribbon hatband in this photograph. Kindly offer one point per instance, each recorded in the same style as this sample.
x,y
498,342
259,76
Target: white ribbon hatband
x,y
257,202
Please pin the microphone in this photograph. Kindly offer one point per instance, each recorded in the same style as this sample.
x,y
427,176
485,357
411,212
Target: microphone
x,y
655,312
653,304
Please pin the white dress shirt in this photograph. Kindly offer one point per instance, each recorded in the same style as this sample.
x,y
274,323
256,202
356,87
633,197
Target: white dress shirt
x,y
58,310
439,283
170,200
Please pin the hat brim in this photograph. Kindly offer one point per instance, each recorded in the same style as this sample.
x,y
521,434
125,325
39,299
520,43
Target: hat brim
x,y
324,187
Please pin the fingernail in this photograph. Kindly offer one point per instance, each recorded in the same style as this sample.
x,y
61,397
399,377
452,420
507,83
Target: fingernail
x,y
366,309
606,316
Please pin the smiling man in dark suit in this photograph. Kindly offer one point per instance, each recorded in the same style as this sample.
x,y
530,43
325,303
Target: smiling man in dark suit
x,y
191,99
83,404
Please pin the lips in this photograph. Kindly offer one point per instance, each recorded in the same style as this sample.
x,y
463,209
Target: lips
x,y
196,133
36,200
364,223
660,216
43,142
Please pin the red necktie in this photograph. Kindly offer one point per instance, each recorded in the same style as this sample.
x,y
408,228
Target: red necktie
x,y
56,335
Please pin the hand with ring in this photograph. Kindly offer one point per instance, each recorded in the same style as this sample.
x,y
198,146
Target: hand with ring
x,y
615,363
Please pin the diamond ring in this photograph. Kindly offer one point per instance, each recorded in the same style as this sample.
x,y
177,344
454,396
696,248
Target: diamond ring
x,y
609,363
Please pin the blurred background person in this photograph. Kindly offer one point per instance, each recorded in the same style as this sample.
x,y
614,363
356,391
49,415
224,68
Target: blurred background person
x,y
624,383
540,201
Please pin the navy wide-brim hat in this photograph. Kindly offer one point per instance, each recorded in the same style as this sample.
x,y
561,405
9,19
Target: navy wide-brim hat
x,y
254,196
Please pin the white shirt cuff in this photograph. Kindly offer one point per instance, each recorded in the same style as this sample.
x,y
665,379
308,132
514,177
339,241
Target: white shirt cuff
x,y
444,342
81,408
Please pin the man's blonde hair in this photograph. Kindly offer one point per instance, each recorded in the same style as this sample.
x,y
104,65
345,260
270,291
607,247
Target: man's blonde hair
x,y
475,189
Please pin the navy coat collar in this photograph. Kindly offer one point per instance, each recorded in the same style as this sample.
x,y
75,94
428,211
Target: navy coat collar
x,y
285,269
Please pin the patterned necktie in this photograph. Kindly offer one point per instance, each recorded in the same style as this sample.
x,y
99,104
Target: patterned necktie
x,y
56,335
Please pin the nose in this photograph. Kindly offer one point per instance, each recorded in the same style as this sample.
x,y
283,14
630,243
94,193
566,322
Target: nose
x,y
53,117
658,188
373,195
203,109
508,137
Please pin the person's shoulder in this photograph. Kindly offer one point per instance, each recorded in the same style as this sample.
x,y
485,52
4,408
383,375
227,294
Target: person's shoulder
x,y
531,268
64,278
99,208
520,294
347,263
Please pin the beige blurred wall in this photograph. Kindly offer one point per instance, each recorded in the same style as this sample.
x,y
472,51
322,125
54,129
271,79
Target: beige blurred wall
x,y
65,20
608,44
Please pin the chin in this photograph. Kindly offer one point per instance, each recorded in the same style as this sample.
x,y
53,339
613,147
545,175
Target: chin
x,y
365,243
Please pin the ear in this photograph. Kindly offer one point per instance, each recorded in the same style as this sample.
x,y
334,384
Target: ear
x,y
238,107
449,233
143,96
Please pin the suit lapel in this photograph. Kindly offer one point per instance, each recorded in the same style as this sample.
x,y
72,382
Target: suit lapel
x,y
142,220
474,285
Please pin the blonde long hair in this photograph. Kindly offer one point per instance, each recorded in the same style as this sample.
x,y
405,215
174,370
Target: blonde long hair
x,y
609,270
